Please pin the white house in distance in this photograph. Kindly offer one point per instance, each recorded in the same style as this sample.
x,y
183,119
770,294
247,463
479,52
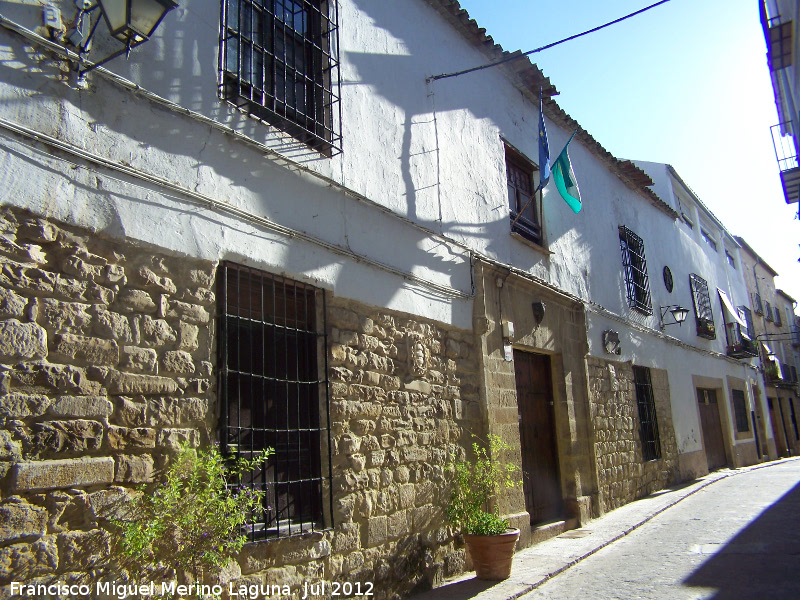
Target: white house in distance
x,y
273,226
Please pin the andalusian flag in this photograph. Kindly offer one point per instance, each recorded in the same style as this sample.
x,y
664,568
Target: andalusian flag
x,y
544,148
565,180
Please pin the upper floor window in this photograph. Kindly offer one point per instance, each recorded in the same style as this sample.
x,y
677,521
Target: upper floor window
x,y
767,311
273,394
729,258
279,63
637,285
757,308
708,239
748,318
522,201
778,322
702,307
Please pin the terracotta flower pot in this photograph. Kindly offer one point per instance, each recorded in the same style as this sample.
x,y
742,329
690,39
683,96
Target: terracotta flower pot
x,y
492,554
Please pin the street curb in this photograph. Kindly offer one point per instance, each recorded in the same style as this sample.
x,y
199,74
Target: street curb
x,y
705,484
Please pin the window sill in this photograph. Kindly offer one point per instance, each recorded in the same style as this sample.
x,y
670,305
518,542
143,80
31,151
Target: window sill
x,y
533,245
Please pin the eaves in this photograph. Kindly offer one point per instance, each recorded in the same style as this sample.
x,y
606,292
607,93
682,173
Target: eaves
x,y
528,78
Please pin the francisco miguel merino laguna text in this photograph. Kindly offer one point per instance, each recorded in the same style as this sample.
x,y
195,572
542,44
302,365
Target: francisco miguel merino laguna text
x,y
121,591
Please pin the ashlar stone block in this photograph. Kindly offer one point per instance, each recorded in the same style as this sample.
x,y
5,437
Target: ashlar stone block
x,y
21,341
91,350
43,475
20,520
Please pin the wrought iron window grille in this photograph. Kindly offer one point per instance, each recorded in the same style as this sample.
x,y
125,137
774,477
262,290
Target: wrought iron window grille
x,y
704,315
767,311
274,394
637,284
279,63
522,198
648,421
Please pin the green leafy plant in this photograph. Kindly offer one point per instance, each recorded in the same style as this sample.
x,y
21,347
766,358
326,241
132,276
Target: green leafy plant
x,y
476,484
190,521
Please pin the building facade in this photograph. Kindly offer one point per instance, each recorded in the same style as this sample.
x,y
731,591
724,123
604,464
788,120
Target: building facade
x,y
279,229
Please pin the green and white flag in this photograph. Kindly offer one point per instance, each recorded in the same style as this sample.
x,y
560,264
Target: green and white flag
x,y
564,177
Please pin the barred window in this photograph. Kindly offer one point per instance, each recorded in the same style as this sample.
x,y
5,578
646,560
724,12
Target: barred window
x,y
279,63
767,311
702,307
740,411
778,322
273,392
522,201
637,284
648,423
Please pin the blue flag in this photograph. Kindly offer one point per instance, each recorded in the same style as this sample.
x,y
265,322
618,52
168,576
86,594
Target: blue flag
x,y
565,180
544,149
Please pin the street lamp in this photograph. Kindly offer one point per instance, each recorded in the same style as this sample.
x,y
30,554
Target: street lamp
x,y
132,22
678,313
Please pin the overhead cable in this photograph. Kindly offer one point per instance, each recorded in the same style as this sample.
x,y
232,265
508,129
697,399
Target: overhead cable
x,y
515,55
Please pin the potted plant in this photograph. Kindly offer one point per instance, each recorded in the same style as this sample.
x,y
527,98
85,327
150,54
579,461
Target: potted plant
x,y
476,483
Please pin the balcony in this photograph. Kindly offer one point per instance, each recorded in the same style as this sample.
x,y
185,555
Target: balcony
x,y
739,345
773,372
778,36
783,140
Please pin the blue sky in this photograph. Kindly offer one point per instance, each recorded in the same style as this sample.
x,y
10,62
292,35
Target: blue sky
x,y
685,83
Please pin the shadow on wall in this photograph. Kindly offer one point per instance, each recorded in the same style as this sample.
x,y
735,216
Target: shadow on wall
x,y
762,560
180,63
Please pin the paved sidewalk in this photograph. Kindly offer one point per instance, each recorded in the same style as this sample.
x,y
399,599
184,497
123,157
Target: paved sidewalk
x,y
536,564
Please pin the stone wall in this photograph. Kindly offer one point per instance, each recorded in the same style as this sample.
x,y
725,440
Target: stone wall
x,y
621,473
105,367
403,399
107,363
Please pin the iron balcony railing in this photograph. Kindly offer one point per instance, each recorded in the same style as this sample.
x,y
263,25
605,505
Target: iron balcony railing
x,y
739,344
785,143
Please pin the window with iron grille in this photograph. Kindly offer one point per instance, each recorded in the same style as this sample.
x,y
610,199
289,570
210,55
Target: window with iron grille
x,y
740,411
702,307
279,63
748,318
648,422
637,285
522,200
767,311
273,394
778,322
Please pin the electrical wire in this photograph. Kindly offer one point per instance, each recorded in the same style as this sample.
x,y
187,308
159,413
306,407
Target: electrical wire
x,y
515,56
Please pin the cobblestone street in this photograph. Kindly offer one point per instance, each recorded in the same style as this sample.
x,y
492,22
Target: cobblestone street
x,y
736,539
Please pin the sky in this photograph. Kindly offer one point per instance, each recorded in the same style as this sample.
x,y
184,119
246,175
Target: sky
x,y
685,83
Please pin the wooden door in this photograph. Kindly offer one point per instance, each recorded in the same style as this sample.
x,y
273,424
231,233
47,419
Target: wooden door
x,y
712,429
778,432
541,481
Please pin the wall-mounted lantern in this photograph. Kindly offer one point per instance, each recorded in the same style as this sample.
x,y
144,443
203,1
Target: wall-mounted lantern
x,y
678,314
132,22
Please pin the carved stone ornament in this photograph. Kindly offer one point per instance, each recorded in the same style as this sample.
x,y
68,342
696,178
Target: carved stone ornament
x,y
418,355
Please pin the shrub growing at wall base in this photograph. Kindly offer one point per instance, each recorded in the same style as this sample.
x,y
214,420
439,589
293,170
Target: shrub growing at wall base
x,y
190,524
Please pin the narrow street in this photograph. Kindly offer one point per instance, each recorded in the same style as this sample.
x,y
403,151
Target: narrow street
x,y
736,539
